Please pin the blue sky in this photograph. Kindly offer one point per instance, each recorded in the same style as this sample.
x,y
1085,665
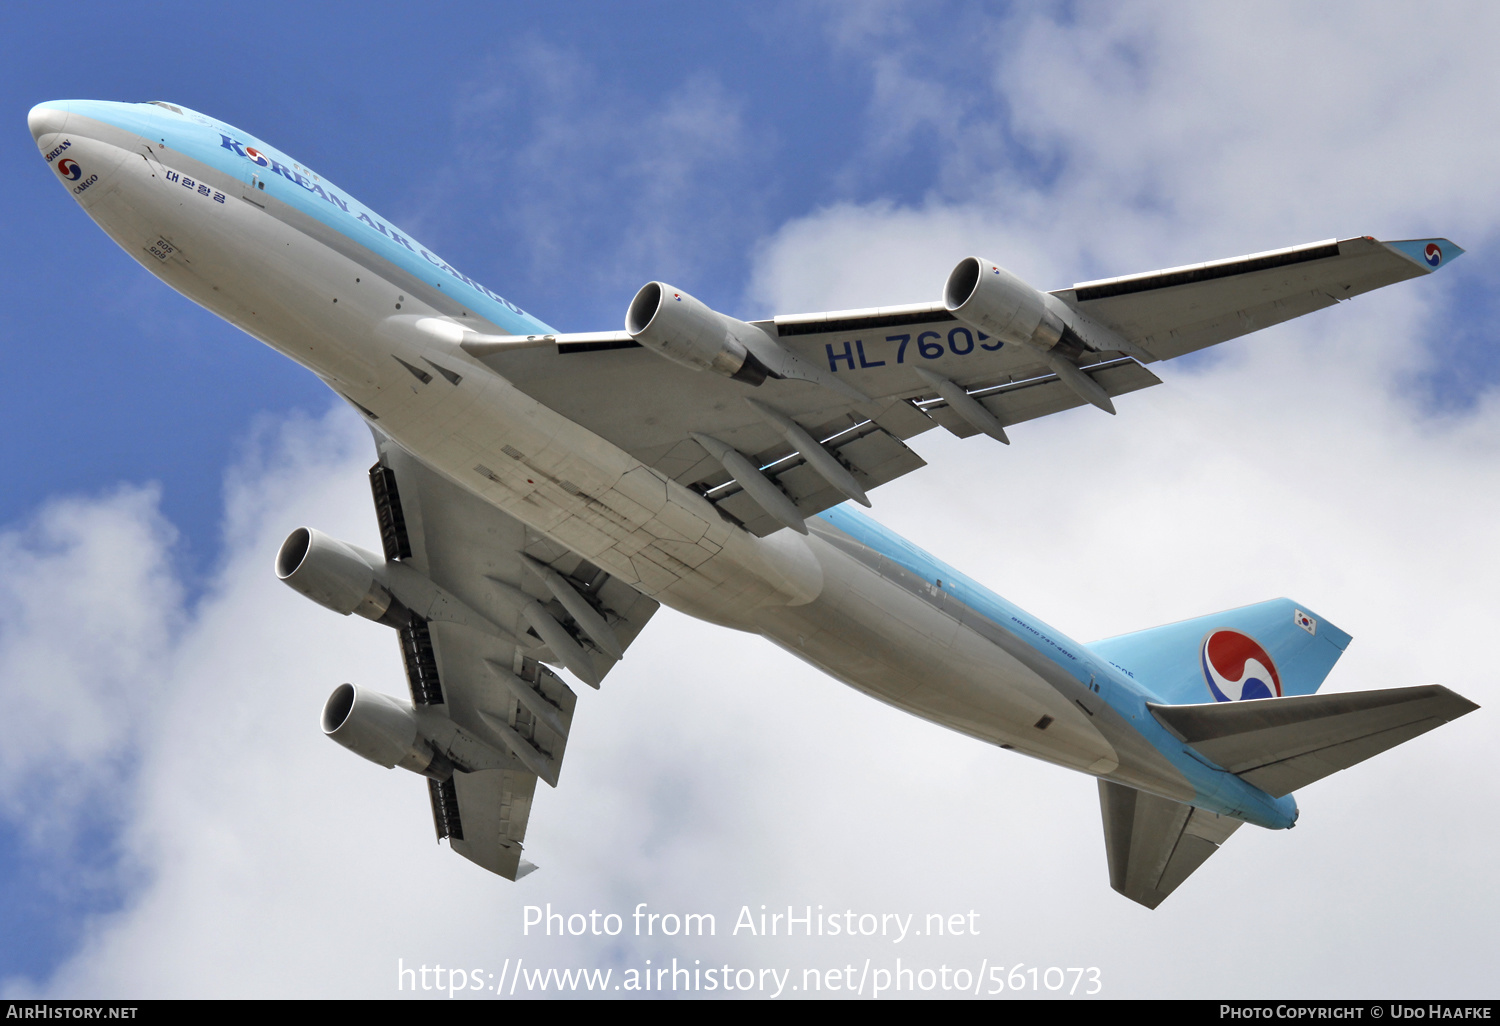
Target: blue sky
x,y
768,158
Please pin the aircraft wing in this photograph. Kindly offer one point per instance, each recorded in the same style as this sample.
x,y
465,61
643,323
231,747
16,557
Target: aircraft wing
x,y
1153,844
1182,309
919,368
653,408
495,690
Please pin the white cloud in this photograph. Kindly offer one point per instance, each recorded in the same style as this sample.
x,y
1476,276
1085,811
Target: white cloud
x,y
87,611
1146,131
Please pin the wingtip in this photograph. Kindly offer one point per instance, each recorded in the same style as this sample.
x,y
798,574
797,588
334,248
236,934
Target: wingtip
x,y
1429,254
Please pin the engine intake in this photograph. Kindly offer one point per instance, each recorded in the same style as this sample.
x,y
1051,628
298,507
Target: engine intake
x,y
686,331
383,730
988,297
338,576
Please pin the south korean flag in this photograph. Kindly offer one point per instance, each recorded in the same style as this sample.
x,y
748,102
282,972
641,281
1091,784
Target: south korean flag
x,y
1304,621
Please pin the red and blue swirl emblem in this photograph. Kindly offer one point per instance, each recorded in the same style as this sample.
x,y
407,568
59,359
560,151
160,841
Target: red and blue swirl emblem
x,y
1237,668
1433,254
69,169
257,156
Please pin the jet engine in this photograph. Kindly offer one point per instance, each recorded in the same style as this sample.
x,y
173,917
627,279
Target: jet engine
x,y
383,730
686,331
337,575
986,296
990,298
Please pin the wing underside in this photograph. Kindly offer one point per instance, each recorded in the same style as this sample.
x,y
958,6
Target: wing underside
x,y
911,361
496,711
653,408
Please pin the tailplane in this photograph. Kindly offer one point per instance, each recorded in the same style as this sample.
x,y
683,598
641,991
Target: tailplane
x,y
1154,843
1281,746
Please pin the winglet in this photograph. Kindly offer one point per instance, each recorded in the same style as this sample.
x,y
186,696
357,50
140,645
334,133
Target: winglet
x,y
1429,253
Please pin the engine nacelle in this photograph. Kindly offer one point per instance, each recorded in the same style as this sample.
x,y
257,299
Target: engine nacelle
x,y
336,575
347,579
986,296
686,331
382,729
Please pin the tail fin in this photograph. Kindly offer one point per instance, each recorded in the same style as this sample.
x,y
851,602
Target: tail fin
x,y
1267,650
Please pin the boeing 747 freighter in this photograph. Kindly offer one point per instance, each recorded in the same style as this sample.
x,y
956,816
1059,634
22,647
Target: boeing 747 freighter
x,y
539,493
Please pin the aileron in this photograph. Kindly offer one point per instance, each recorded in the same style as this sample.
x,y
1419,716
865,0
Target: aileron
x,y
1193,273
1182,309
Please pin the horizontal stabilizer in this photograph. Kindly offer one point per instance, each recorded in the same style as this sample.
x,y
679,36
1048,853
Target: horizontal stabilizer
x,y
1153,844
1280,745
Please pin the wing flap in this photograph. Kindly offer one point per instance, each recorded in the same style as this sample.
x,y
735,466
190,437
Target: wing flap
x,y
1153,844
872,454
875,455
1221,327
1041,397
1282,744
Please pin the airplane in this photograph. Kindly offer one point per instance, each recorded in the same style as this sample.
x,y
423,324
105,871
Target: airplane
x,y
539,493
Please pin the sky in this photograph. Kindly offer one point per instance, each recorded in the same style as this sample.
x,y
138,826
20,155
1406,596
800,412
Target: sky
x,y
171,824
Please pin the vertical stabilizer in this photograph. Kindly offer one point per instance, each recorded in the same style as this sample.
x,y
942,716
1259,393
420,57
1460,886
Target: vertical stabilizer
x,y
1268,650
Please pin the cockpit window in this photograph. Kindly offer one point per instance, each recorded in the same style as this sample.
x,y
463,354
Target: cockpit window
x,y
170,106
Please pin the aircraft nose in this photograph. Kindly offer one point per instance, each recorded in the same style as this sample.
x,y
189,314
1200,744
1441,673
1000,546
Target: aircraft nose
x,y
44,120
